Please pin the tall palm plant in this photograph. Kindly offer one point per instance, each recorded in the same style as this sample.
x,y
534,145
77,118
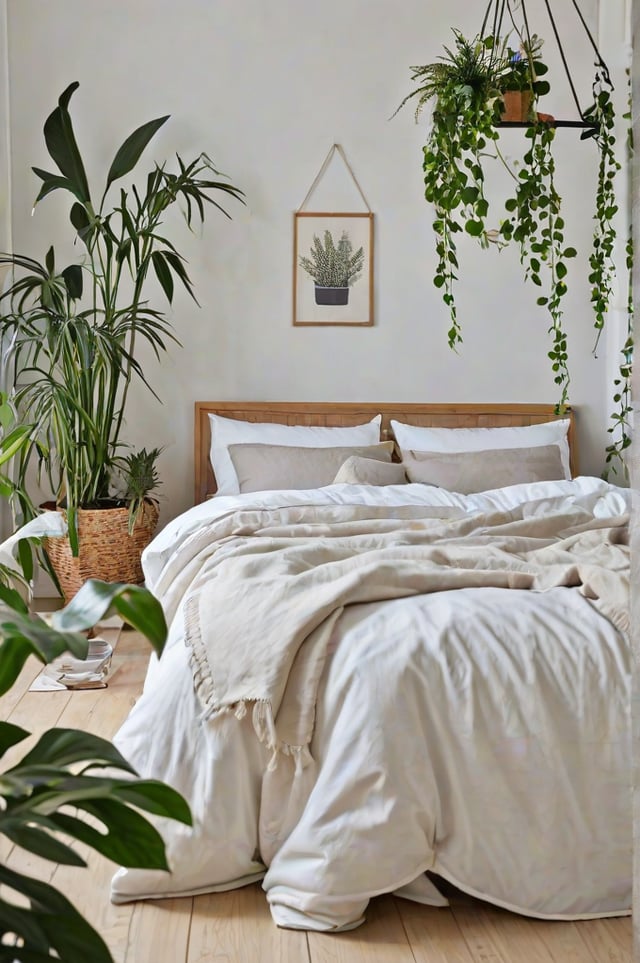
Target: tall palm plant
x,y
73,333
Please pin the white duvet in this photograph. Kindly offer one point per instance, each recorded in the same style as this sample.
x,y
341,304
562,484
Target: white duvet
x,y
482,734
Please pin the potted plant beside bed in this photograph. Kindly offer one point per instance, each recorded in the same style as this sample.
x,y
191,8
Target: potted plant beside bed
x,y
75,333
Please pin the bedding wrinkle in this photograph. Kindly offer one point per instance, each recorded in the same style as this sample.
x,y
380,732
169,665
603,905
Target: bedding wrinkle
x,y
362,684
296,587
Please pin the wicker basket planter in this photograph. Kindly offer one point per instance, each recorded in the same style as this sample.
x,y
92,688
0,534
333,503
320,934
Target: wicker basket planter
x,y
107,551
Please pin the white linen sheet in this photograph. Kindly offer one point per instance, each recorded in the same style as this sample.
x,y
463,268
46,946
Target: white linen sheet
x,y
479,733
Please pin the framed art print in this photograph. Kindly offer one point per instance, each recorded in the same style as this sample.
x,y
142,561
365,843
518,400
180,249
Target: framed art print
x,y
333,268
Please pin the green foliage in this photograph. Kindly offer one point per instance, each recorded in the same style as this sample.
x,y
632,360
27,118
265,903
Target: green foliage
x,y
469,74
58,793
621,417
75,331
537,226
525,68
334,265
603,268
466,87
454,184
140,478
601,260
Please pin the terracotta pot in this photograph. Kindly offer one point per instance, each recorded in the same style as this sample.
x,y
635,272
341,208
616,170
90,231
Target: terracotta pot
x,y
107,551
517,106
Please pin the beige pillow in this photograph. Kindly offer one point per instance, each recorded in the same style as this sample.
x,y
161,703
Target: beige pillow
x,y
419,438
477,471
358,470
272,467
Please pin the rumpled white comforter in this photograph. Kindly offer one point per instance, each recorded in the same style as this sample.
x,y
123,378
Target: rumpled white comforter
x,y
481,733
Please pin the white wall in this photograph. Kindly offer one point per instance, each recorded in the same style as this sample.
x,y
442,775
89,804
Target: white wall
x,y
265,89
635,518
5,182
6,522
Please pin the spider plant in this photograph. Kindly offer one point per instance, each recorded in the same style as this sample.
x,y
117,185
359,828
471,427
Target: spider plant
x,y
74,332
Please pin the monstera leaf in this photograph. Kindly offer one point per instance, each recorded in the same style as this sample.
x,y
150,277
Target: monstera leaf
x,y
60,793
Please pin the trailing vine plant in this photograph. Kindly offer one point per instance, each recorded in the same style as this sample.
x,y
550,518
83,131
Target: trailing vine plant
x,y
465,85
537,226
601,259
621,417
468,86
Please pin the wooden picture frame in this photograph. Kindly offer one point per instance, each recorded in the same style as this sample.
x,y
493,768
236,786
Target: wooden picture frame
x,y
325,245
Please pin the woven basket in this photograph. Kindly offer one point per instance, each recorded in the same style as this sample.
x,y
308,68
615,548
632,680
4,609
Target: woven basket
x,y
107,551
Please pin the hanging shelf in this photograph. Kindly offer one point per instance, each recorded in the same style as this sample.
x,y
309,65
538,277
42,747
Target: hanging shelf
x,y
495,15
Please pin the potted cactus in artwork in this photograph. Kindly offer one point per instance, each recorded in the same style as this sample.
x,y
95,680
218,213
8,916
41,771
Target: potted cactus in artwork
x,y
334,268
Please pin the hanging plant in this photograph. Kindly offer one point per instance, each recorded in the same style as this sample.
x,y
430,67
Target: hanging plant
x,y
468,87
538,227
601,260
621,416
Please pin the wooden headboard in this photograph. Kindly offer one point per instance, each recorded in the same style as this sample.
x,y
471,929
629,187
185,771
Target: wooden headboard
x,y
334,414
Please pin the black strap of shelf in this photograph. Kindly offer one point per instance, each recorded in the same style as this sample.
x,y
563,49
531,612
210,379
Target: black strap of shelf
x,y
584,124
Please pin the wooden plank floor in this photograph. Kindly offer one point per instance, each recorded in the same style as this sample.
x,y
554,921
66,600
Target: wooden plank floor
x,y
236,927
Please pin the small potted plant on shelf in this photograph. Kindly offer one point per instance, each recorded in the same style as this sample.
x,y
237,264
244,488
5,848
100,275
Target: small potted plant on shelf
x,y
334,268
521,84
75,333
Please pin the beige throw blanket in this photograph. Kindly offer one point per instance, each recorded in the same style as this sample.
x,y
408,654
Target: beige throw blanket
x,y
267,586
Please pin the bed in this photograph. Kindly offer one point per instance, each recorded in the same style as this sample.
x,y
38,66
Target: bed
x,y
370,683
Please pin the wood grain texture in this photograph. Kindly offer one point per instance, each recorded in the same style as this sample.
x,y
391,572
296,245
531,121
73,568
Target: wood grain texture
x,y
159,930
382,939
341,414
496,935
434,934
237,926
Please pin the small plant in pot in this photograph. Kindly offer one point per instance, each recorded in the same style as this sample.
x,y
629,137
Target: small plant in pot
x,y
112,535
75,331
334,268
521,84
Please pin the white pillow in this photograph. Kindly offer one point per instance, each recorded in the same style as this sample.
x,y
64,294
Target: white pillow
x,y
232,431
417,438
